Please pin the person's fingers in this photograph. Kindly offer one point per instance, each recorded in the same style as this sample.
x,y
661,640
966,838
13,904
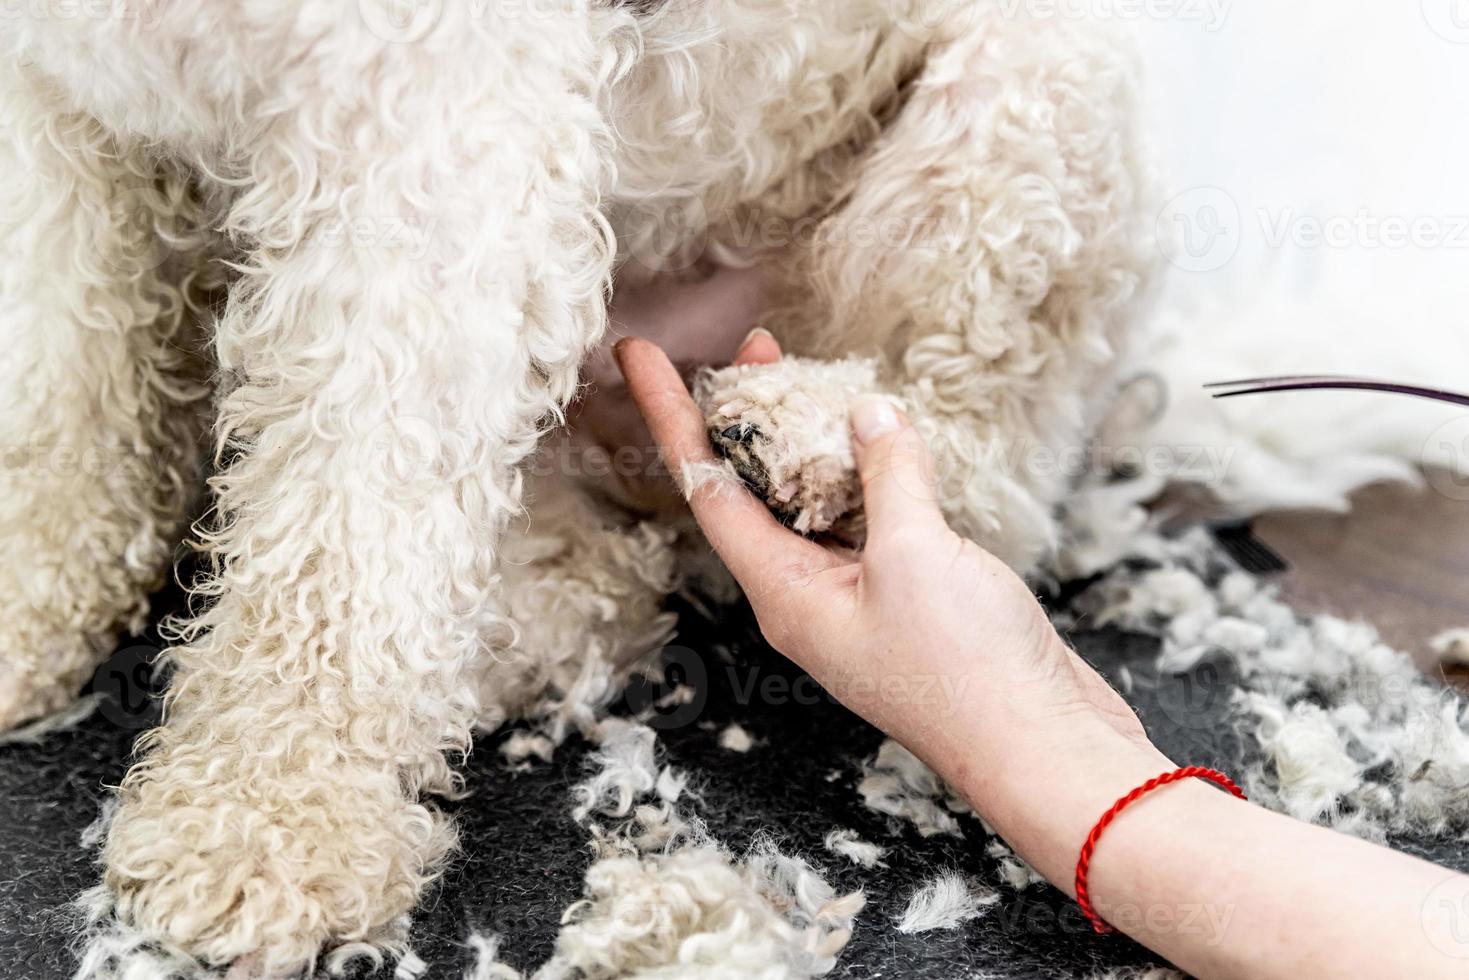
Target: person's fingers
x,y
898,490
763,555
758,347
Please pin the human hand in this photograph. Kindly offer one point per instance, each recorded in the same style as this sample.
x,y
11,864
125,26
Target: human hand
x,y
1035,740
923,633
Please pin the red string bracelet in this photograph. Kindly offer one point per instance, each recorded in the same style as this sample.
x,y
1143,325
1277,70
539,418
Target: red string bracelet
x,y
1084,862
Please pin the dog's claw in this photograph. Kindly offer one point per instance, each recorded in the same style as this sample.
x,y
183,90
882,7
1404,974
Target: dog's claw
x,y
736,443
740,432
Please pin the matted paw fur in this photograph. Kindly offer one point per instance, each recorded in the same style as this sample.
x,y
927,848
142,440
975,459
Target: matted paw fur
x,y
783,427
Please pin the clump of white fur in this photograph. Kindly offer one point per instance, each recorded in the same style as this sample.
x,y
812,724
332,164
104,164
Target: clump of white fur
x,y
1013,870
784,428
487,965
946,902
896,783
735,738
1350,733
1452,648
664,899
696,912
852,847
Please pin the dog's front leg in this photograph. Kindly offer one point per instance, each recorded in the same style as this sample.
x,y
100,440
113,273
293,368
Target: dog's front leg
x,y
431,267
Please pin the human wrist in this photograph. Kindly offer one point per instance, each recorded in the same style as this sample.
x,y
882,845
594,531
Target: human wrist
x,y
1045,796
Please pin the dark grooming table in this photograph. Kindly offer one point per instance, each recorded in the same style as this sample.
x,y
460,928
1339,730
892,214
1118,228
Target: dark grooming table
x,y
523,857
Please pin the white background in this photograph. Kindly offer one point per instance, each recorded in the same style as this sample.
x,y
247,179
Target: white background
x,y
1284,116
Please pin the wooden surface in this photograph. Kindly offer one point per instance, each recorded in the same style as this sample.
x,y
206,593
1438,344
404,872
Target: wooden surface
x,y
1399,560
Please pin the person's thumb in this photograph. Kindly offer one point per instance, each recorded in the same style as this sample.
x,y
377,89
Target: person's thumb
x,y
898,490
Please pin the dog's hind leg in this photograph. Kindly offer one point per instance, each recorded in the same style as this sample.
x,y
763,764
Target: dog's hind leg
x,y
101,398
1007,196
431,268
584,587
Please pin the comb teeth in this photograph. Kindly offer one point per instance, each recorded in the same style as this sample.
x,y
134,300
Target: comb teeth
x,y
1238,540
1256,386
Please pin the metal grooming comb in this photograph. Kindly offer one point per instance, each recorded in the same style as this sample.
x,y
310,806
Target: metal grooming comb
x,y
1307,382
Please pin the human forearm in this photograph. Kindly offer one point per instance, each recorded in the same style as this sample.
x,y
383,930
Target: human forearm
x,y
1037,742
1220,887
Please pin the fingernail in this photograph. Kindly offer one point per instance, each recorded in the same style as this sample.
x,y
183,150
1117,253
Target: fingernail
x,y
873,418
755,335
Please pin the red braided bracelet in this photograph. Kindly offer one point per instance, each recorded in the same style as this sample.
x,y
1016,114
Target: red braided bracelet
x,y
1083,863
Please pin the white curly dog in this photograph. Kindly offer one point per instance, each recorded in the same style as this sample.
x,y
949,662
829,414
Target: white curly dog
x,y
352,258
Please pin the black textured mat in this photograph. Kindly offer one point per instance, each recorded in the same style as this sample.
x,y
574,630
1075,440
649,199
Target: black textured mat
x,y
523,857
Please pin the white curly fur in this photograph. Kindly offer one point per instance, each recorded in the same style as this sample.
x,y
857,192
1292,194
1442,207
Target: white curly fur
x,y
394,239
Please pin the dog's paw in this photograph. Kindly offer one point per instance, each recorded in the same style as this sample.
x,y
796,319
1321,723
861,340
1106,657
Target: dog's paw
x,y
784,428
243,865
